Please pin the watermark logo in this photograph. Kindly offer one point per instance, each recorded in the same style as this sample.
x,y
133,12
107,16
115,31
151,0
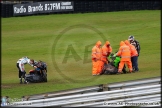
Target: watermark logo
x,y
6,101
71,52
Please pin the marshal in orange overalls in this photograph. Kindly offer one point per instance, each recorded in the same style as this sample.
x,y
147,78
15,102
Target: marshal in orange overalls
x,y
125,54
106,50
96,59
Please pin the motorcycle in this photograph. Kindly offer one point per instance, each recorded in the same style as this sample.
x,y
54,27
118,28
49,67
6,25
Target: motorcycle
x,y
37,75
112,66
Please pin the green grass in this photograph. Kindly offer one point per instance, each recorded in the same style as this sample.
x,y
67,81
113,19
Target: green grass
x,y
47,37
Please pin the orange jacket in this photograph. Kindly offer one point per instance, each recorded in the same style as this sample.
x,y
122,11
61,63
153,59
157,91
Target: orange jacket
x,y
124,52
132,48
97,51
106,50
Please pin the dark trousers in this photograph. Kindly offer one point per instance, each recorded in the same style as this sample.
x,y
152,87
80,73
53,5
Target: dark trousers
x,y
135,63
21,74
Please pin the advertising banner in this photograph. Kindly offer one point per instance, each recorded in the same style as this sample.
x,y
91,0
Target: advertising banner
x,y
42,7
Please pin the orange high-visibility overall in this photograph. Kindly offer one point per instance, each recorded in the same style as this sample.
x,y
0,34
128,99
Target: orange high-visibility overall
x,y
125,54
96,59
106,50
132,48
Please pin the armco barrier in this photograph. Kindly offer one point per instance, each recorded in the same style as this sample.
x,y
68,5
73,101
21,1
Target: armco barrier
x,y
93,97
90,89
128,84
129,99
97,88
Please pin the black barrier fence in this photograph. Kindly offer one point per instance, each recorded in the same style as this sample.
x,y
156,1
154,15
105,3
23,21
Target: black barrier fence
x,y
7,10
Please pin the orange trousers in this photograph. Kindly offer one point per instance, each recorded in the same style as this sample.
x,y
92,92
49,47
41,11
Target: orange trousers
x,y
97,67
121,65
101,66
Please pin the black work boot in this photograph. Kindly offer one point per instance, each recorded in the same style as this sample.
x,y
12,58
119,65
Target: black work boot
x,y
21,81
